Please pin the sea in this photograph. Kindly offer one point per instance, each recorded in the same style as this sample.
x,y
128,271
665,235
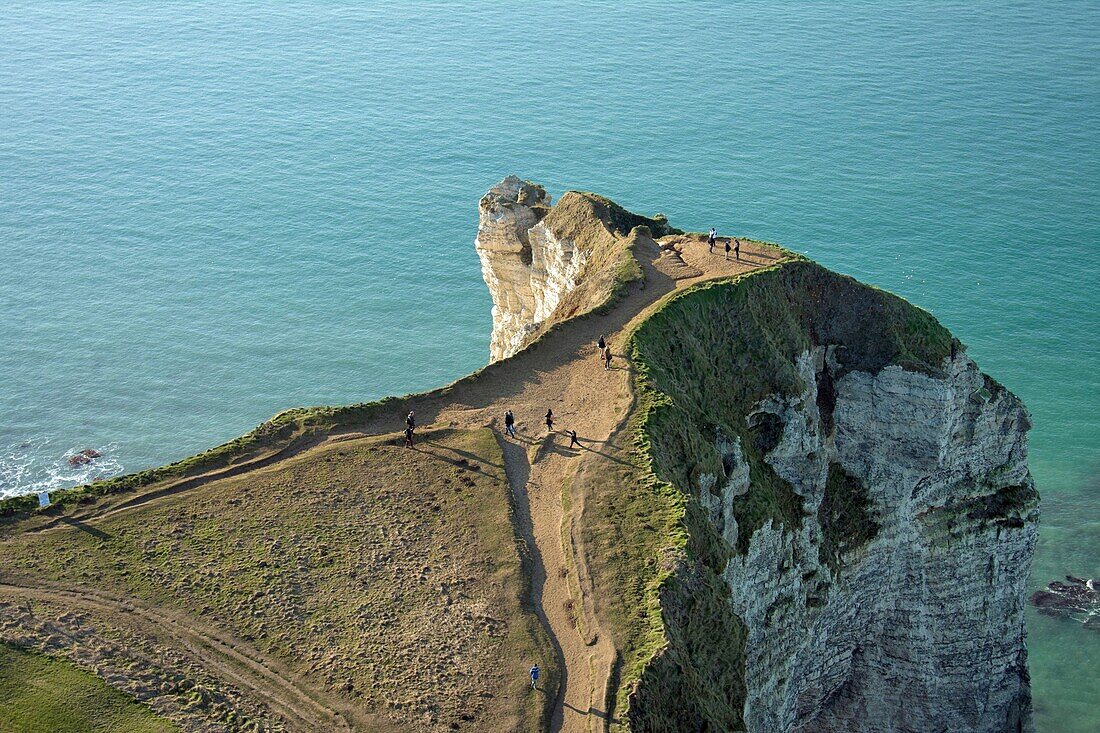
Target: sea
x,y
213,211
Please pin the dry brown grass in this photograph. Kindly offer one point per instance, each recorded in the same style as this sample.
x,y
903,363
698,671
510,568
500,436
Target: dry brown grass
x,y
391,578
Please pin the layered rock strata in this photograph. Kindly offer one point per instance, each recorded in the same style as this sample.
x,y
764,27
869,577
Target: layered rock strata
x,y
866,509
543,263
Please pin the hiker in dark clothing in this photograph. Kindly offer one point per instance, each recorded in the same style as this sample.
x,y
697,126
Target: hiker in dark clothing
x,y
510,424
607,358
727,249
737,248
601,344
410,420
711,238
573,438
409,436
550,420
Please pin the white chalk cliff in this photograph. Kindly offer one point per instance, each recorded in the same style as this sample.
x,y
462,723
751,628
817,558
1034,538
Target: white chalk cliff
x,y
922,628
534,256
525,266
873,518
860,500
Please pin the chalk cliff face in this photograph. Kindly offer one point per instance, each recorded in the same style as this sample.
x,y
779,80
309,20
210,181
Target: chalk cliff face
x,y
921,628
870,515
507,214
536,258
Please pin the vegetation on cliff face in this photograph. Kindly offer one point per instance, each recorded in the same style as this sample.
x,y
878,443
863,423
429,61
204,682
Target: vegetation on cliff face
x,y
607,236
704,360
846,516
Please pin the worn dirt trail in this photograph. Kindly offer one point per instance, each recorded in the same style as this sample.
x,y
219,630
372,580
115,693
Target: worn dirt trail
x,y
565,374
562,373
301,705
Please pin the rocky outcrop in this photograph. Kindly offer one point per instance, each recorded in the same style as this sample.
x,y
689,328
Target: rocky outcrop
x,y
919,626
867,507
1075,598
507,214
545,263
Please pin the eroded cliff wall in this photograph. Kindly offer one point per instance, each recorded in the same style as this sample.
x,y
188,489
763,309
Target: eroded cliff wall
x,y
543,263
862,504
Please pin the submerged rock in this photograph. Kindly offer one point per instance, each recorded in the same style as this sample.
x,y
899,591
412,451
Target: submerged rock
x,y
1076,598
84,457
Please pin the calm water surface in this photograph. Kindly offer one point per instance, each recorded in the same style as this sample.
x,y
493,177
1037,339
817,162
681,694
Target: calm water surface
x,y
213,211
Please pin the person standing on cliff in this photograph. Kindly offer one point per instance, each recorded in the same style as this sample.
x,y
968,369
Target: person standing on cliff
x,y
607,358
410,420
409,436
534,676
737,248
550,420
510,424
601,344
712,238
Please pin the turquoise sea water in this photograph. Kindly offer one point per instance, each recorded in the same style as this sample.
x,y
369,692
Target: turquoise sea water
x,y
213,211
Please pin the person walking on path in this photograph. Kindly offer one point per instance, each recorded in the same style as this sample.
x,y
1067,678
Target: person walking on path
x,y
534,677
550,420
727,249
607,358
712,238
410,420
737,248
510,424
409,436
573,438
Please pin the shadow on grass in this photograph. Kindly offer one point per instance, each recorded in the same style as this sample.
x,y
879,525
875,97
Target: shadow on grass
x,y
86,528
464,461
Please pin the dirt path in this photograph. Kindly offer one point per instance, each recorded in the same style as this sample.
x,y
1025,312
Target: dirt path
x,y
563,373
303,707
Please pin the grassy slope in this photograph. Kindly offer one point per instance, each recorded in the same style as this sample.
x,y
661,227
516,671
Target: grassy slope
x,y
703,359
390,576
41,694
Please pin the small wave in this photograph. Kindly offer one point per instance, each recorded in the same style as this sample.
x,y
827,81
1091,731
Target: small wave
x,y
37,464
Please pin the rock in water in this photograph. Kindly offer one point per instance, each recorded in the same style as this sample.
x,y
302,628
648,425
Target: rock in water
x,y
1071,599
84,457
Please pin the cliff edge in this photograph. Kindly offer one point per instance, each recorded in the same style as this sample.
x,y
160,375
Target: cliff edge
x,y
793,503
860,501
544,264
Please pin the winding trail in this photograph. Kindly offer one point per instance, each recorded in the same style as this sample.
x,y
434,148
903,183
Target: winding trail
x,y
561,372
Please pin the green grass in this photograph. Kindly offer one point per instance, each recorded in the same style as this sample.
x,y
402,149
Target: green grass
x,y
40,694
